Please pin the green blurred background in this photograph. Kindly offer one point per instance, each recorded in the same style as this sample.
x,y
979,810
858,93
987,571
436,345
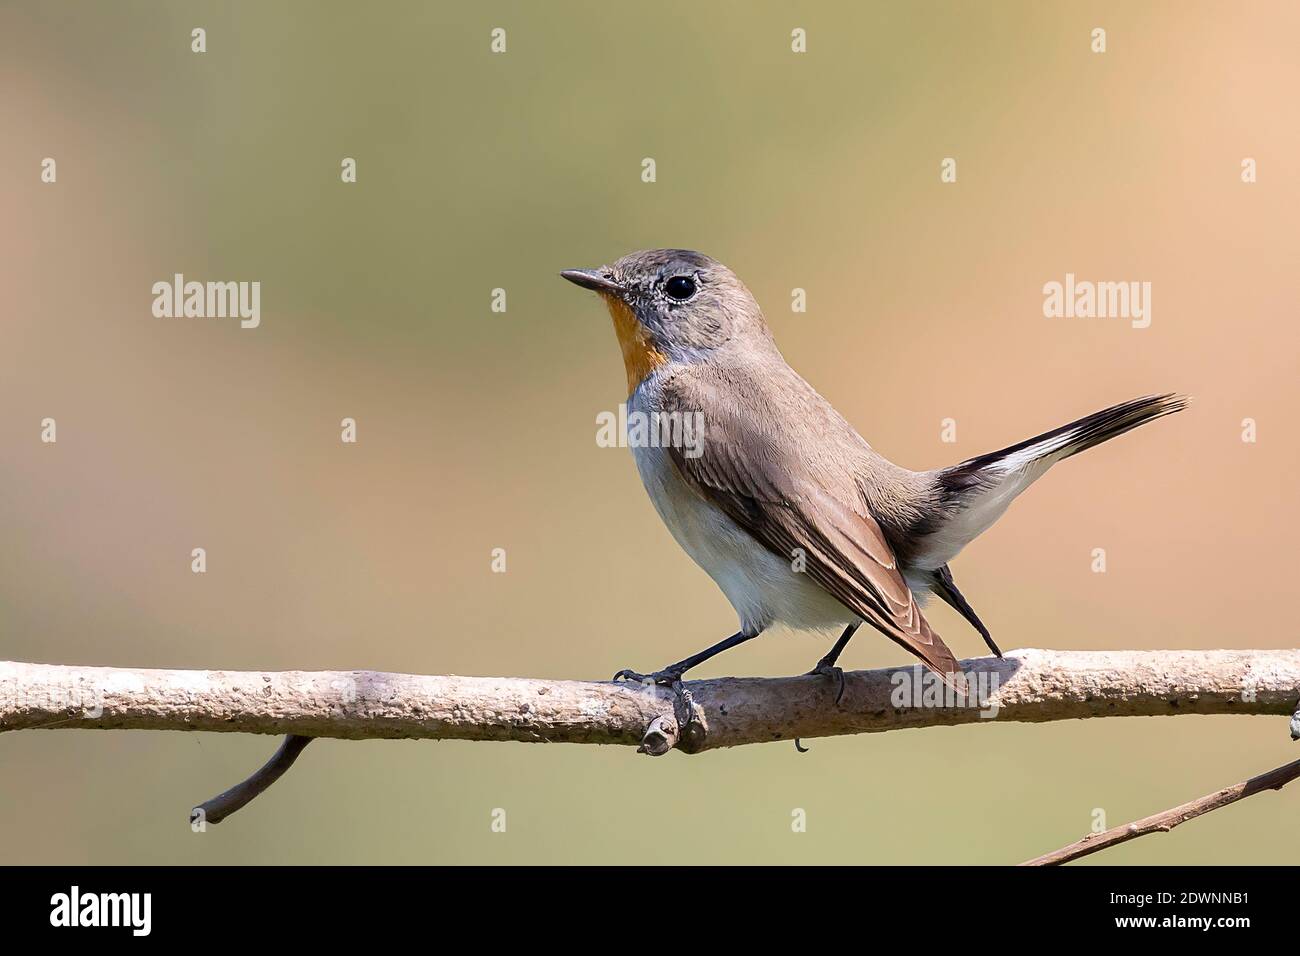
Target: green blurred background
x,y
476,429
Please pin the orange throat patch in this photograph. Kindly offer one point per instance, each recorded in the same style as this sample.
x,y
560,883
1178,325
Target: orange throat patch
x,y
640,357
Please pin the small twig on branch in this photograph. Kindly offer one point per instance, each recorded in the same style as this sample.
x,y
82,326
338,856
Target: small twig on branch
x,y
1167,820
238,796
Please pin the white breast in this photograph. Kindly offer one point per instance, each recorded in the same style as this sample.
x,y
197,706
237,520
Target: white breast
x,y
763,588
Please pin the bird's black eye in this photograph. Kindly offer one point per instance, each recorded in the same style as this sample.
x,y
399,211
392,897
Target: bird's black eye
x,y
680,287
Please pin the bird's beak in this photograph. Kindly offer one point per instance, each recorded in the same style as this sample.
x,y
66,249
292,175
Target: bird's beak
x,y
597,280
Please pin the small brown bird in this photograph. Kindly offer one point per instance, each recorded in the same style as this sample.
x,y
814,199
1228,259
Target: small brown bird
x,y
781,501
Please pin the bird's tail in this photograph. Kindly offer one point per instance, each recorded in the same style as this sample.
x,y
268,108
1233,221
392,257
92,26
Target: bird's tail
x,y
975,493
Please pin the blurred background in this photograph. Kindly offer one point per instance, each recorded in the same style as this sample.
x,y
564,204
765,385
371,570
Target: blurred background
x,y
476,430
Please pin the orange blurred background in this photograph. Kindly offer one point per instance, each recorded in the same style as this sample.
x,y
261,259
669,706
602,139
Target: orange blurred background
x,y
477,429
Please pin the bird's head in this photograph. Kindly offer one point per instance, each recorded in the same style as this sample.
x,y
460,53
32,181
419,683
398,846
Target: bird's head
x,y
671,305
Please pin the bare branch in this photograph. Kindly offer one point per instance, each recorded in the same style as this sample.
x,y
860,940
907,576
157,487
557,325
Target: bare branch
x,y
1167,820
1026,685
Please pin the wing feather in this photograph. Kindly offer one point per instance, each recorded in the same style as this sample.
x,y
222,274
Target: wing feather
x,y
784,507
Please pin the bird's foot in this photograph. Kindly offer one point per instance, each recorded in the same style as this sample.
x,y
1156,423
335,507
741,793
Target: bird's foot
x,y
664,733
826,669
664,678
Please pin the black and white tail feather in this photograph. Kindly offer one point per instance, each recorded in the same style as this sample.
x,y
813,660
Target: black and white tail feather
x,y
974,494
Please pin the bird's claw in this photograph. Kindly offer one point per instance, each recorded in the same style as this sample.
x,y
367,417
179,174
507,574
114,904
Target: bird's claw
x,y
824,669
664,678
684,706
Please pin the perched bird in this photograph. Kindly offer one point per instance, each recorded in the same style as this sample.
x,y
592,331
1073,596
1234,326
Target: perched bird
x,y
781,501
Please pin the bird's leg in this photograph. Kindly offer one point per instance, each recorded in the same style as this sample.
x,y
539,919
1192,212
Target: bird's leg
x,y
672,674
826,666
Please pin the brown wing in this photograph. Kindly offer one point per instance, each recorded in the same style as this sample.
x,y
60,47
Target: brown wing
x,y
787,511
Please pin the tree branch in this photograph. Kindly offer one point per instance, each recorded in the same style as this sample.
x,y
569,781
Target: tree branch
x,y
1026,685
1168,819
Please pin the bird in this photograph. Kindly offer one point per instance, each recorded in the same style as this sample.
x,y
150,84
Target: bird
x,y
799,521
